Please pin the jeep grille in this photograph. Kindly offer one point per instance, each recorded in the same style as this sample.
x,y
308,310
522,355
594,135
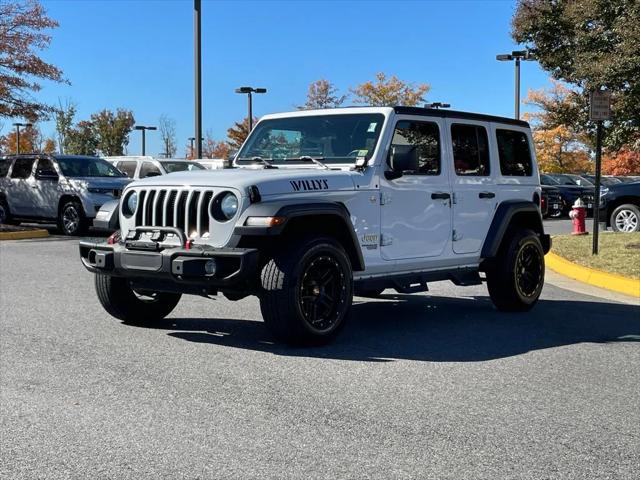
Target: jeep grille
x,y
186,209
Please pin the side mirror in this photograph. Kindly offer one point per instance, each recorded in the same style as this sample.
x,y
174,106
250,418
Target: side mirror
x,y
402,158
47,175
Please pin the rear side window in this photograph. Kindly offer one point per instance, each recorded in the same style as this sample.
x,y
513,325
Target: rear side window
x,y
515,154
22,168
4,167
470,150
425,136
149,169
128,168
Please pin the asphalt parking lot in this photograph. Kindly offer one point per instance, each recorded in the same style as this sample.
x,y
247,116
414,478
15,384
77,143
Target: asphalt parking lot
x,y
436,385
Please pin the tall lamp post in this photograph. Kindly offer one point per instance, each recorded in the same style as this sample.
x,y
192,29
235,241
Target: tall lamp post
x,y
249,91
143,129
197,54
191,140
18,125
516,55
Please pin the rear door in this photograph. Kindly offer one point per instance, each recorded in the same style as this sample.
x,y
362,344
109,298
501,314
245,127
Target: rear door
x,y
473,184
21,196
415,208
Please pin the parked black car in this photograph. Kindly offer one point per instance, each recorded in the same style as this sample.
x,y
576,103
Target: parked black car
x,y
620,207
606,181
569,191
551,204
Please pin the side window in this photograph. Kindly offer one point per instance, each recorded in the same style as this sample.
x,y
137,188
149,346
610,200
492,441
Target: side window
x,y
22,168
148,169
128,168
425,136
470,150
515,155
45,166
4,166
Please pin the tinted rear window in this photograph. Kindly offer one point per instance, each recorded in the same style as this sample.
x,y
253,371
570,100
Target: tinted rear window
x,y
22,168
514,152
4,167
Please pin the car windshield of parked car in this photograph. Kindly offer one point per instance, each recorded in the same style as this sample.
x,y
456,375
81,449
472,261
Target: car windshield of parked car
x,y
171,167
572,180
331,139
547,180
87,167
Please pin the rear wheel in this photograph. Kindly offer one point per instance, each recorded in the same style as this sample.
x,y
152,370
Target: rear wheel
x,y
71,219
626,218
5,214
131,306
516,278
307,291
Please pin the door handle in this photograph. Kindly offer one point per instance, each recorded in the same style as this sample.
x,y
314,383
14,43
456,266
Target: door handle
x,y
486,195
440,196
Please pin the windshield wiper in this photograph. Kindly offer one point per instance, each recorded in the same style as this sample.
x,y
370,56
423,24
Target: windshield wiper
x,y
307,158
266,163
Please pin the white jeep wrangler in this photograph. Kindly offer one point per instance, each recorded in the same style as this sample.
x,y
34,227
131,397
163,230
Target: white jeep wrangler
x,y
326,204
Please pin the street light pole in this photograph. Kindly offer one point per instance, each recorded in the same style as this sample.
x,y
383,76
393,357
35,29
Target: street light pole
x,y
143,129
518,56
198,76
249,91
18,125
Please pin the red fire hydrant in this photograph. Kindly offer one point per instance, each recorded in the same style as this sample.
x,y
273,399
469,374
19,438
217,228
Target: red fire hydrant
x,y
579,215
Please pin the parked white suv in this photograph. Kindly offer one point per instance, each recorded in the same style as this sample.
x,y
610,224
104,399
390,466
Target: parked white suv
x,y
326,203
68,189
138,167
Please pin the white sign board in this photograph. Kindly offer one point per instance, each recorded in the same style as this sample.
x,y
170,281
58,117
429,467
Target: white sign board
x,y
600,105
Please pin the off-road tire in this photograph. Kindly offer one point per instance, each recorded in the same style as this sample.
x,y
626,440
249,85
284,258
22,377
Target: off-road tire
x,y
516,276
72,208
300,304
625,218
120,301
5,214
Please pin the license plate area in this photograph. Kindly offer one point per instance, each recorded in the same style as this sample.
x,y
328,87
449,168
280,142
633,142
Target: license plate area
x,y
149,262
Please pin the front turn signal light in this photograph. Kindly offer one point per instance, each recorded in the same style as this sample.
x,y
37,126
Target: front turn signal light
x,y
264,221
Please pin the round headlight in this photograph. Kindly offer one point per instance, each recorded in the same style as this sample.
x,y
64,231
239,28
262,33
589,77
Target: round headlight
x,y
131,203
229,205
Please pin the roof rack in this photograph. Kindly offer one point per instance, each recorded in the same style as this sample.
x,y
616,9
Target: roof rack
x,y
436,112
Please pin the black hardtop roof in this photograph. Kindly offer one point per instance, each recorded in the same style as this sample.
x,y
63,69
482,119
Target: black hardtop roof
x,y
55,156
437,112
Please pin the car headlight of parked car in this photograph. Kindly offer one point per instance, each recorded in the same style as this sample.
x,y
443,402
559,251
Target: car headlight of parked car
x,y
99,190
603,191
130,204
224,207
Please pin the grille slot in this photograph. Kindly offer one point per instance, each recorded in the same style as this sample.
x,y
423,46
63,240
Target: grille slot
x,y
187,210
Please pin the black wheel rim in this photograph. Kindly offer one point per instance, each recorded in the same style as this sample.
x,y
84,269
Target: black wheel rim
x,y
528,270
322,293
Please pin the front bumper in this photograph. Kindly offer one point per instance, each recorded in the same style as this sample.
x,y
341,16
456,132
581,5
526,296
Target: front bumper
x,y
173,268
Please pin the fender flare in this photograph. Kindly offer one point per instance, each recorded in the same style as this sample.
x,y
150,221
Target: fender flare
x,y
297,210
502,218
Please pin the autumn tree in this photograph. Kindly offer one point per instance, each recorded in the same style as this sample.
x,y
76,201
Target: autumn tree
x,y
22,37
558,152
49,145
589,44
239,132
389,92
623,162
167,130
28,141
322,94
112,130
212,148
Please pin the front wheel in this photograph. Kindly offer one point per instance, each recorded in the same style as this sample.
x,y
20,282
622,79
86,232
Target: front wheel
x,y
71,219
516,278
130,306
626,218
307,291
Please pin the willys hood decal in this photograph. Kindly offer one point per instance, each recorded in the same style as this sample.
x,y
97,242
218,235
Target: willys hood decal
x,y
268,181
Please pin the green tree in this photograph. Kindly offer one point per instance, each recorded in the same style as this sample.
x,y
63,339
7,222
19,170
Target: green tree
x,y
64,116
112,130
81,139
389,92
21,69
322,94
590,44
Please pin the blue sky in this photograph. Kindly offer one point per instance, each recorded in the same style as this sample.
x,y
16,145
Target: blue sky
x,y
139,55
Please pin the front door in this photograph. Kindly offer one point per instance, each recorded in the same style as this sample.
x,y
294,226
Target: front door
x,y
474,191
46,188
415,208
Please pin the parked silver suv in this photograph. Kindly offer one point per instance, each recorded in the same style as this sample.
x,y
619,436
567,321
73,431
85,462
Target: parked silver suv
x,y
137,167
66,188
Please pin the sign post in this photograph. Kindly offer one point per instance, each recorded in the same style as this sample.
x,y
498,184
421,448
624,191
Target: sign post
x,y
599,111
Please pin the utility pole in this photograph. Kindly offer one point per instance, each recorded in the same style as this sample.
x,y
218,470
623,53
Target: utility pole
x,y
198,76
599,111
143,129
18,125
517,55
249,91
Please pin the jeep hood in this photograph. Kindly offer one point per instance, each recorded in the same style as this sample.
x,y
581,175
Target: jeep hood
x,y
269,181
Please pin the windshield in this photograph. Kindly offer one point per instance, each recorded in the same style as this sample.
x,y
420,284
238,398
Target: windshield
x,y
87,167
547,180
171,167
329,138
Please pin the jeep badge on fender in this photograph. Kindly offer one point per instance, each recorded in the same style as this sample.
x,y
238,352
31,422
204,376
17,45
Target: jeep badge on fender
x,y
322,205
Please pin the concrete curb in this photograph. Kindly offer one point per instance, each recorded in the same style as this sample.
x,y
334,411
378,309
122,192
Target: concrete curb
x,y
597,278
24,234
